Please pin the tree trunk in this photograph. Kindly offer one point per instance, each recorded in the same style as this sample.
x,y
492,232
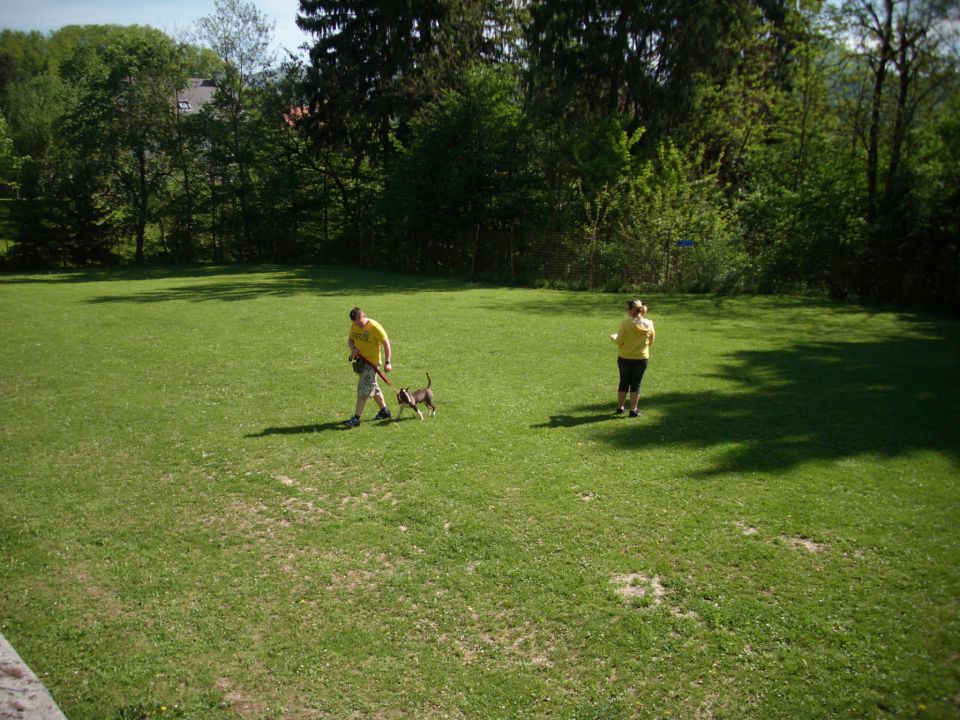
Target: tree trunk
x,y
185,249
244,204
884,31
143,196
901,120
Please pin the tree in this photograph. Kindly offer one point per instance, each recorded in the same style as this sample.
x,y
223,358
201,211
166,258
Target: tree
x,y
465,175
376,62
241,36
902,43
21,57
143,75
10,162
669,199
625,57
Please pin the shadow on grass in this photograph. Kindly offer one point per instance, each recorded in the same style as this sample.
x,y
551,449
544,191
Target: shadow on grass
x,y
318,428
244,282
706,308
299,429
581,415
809,402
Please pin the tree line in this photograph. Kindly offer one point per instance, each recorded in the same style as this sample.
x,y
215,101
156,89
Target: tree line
x,y
741,145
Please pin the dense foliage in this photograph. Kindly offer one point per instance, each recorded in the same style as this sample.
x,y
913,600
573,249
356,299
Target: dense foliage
x,y
762,145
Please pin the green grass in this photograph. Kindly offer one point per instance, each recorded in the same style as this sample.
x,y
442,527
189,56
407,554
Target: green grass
x,y
186,530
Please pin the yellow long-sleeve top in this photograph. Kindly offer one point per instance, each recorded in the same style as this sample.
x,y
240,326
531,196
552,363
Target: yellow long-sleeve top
x,y
635,338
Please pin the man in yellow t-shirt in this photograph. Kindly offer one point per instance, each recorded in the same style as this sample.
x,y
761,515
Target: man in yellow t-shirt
x,y
634,339
366,338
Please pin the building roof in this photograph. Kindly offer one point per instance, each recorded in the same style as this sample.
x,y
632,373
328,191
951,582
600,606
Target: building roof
x,y
195,95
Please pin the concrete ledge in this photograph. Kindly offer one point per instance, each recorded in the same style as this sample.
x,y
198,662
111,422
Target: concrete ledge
x,y
22,695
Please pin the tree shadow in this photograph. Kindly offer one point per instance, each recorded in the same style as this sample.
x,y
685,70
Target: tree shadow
x,y
821,401
258,282
134,273
243,282
706,307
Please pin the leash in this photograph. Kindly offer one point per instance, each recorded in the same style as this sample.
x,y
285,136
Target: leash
x,y
376,369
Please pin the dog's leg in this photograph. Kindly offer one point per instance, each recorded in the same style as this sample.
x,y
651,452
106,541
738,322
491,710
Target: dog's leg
x,y
417,408
399,413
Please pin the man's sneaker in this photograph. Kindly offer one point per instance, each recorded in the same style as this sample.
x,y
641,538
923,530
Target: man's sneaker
x,y
619,411
352,422
384,414
635,413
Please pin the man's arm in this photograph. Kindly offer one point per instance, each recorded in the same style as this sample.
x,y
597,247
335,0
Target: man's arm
x,y
386,354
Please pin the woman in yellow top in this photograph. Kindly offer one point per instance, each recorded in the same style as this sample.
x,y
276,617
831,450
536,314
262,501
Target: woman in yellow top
x,y
634,339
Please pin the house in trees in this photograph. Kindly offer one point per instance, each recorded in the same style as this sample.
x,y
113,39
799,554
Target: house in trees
x,y
195,95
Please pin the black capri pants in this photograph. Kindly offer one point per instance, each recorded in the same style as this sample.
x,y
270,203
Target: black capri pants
x,y
631,374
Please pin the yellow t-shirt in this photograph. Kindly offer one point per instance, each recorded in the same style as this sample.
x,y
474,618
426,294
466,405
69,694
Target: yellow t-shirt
x,y
634,339
367,339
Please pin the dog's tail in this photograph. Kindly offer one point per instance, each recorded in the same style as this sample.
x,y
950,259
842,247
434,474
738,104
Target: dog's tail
x,y
428,379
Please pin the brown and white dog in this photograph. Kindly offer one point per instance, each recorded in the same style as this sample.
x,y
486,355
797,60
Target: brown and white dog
x,y
424,396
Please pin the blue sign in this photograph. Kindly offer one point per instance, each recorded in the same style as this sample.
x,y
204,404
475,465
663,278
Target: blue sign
x,y
685,243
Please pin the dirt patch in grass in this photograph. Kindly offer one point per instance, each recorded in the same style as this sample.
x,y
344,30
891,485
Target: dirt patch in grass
x,y
638,585
251,519
498,634
806,543
367,578
646,590
366,500
302,510
746,529
238,701
103,602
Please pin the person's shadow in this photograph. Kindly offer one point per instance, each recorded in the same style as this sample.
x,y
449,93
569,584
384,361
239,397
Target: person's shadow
x,y
583,415
299,429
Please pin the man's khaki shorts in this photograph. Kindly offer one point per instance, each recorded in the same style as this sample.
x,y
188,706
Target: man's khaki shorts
x,y
367,385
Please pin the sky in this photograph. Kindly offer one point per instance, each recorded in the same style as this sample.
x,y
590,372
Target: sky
x,y
171,16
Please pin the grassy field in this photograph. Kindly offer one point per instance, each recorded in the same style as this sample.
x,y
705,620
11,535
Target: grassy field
x,y
186,530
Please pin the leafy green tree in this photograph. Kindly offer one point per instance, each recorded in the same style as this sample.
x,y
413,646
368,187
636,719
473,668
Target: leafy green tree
x,y
671,202
376,62
10,162
143,74
626,58
22,56
374,65
905,49
933,279
241,36
36,108
466,174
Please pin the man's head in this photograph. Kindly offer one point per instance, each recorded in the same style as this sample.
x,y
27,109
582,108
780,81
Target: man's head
x,y
358,316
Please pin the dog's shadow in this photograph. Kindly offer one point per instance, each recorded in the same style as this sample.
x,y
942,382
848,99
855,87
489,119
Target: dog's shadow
x,y
406,418
583,415
299,429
